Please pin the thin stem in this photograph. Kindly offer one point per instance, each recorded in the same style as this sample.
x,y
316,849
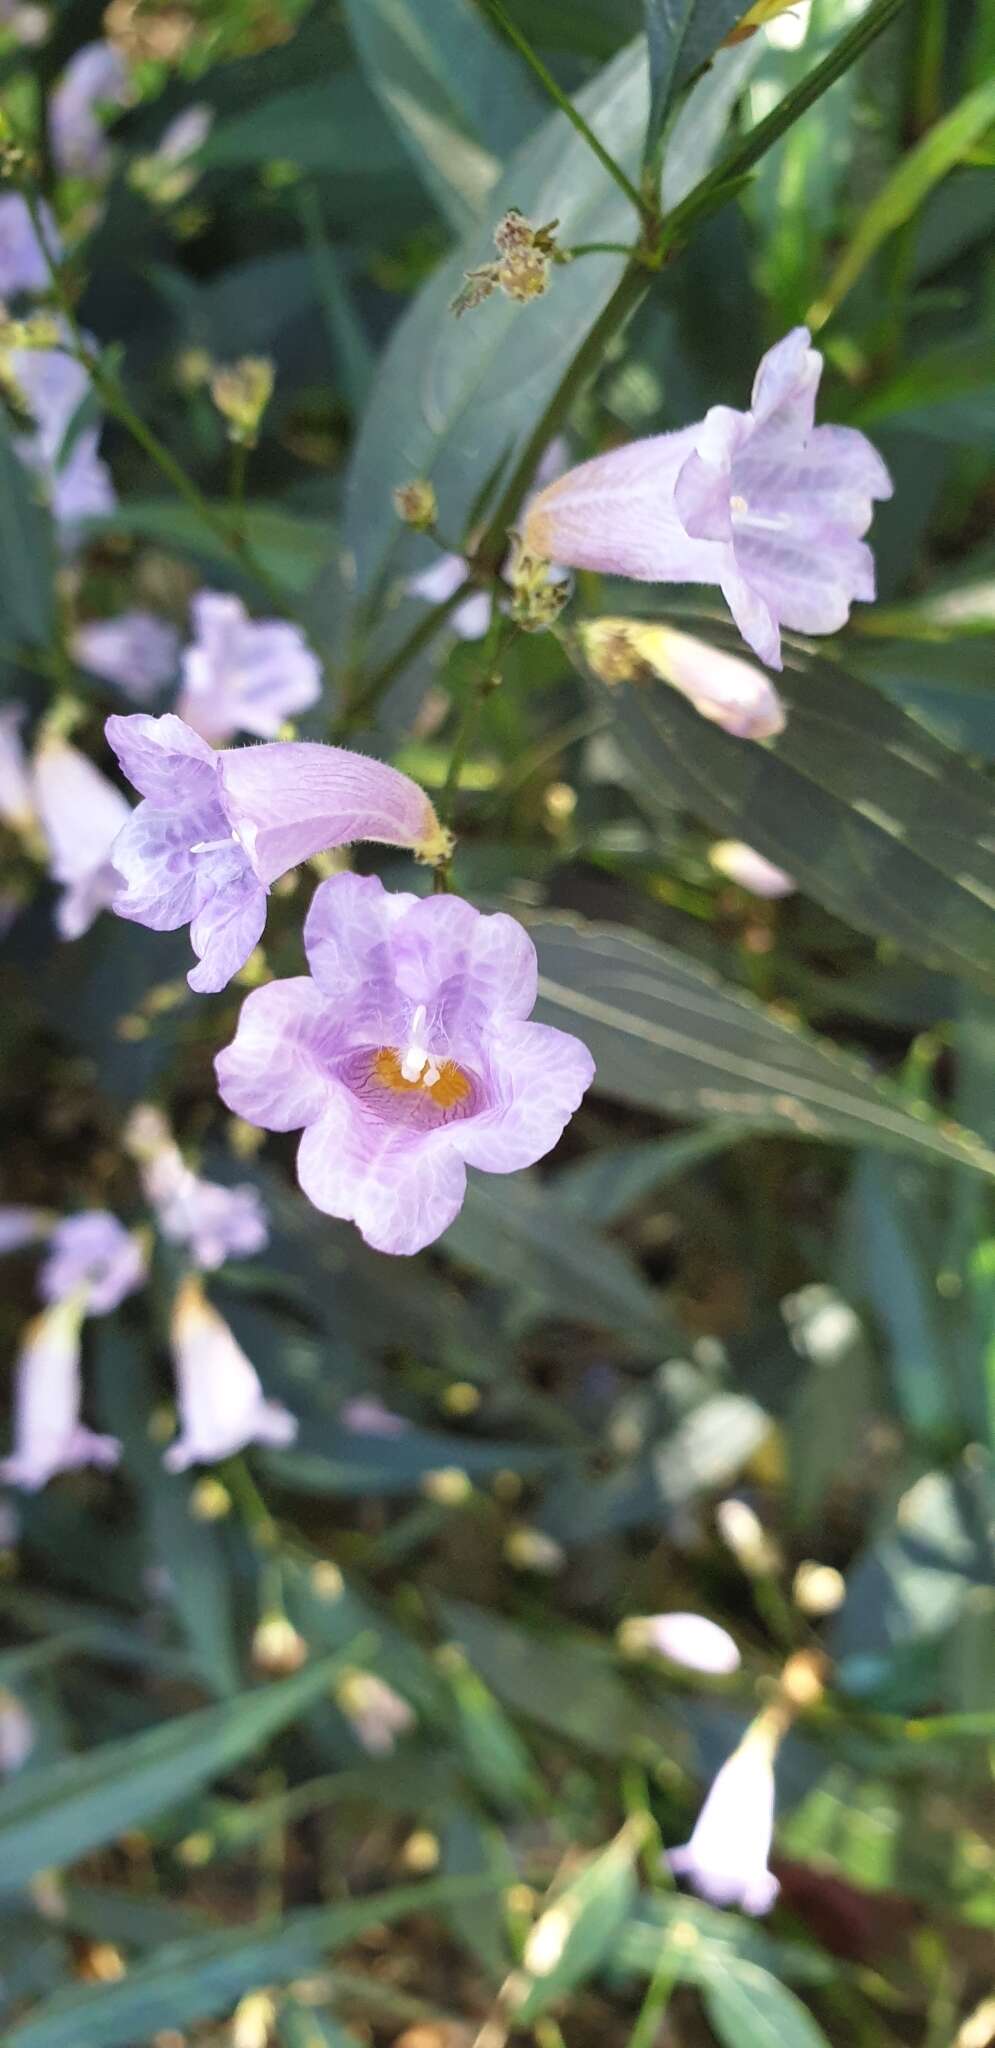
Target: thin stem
x,y
238,464
595,249
498,633
566,106
419,637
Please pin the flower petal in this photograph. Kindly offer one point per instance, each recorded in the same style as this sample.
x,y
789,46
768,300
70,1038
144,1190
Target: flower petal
x,y
467,969
165,882
787,383
348,939
537,1078
756,620
292,799
402,1191
274,1071
80,811
164,759
617,514
225,929
807,588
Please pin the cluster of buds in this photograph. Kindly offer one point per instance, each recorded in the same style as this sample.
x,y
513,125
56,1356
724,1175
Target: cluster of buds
x,y
537,598
526,255
242,391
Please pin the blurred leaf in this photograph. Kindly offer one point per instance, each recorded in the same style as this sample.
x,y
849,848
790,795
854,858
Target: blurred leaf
x,y
457,97
87,1800
682,35
887,1255
749,2009
602,1188
472,1850
333,124
888,1839
453,400
948,394
908,185
670,1037
27,565
292,547
723,1940
514,1230
198,1979
911,1582
345,1464
579,1925
708,1447
874,816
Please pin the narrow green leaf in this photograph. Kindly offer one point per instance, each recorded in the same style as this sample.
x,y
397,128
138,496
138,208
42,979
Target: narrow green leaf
x,y
52,1817
669,1036
27,567
750,2009
579,1925
517,1232
292,546
682,35
946,145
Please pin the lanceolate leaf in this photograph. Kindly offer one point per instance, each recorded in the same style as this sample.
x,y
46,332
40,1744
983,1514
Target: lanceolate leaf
x,y
667,1035
682,36
748,2008
871,814
454,398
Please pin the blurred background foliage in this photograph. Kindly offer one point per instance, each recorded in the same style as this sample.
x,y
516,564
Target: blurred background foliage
x,y
760,1264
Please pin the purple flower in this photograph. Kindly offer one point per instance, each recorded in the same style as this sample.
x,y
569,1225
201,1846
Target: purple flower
x,y
471,618
81,816
53,385
689,1639
242,674
94,1253
215,1222
95,76
377,1713
741,864
406,1057
22,260
48,1434
20,1225
370,1418
763,503
17,809
726,1859
217,828
18,1733
136,651
222,1405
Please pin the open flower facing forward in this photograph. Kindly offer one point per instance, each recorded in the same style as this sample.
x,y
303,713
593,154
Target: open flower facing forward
x,y
81,816
216,829
763,503
48,1434
406,1057
725,689
222,1405
136,651
94,1255
726,1859
242,674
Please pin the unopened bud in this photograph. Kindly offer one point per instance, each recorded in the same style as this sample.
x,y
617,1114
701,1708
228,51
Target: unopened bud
x,y
416,503
449,1487
530,1550
803,1681
526,257
210,1501
536,598
277,1647
818,1589
744,1534
326,1580
242,391
461,1397
253,2021
421,1852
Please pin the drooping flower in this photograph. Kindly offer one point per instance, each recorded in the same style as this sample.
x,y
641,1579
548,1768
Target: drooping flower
x,y
92,1255
81,817
763,503
17,809
48,1434
214,1222
377,1713
222,1405
725,1860
741,864
136,651
22,259
730,692
17,1733
53,385
406,1057
242,674
689,1639
216,829
96,76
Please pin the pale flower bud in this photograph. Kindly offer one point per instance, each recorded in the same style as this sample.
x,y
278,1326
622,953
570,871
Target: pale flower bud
x,y
277,1646
749,870
242,391
378,1714
744,1534
48,1434
222,1405
416,504
689,1639
724,688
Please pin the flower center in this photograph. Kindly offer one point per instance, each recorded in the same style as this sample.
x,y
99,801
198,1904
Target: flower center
x,y
408,1084
742,515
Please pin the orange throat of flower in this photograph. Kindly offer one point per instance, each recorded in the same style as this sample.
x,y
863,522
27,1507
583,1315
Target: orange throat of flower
x,y
441,1080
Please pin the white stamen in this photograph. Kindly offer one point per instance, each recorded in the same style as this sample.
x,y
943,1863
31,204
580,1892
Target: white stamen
x,y
415,1060
739,507
215,845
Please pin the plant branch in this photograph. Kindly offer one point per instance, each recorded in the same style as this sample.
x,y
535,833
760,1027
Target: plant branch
x,y
496,9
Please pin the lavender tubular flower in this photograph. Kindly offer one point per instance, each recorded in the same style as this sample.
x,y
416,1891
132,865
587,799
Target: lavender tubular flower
x,y
136,651
48,1434
22,259
242,674
95,76
222,1405
725,1860
405,1055
216,829
81,817
92,1255
53,385
763,503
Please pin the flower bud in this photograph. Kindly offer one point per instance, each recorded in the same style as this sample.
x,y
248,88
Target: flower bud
x,y
242,391
688,1639
277,1647
749,870
416,503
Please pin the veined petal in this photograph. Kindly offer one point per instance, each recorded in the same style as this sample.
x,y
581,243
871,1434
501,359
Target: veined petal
x,y
787,383
294,798
166,761
401,1192
274,1073
467,969
165,881
701,498
617,514
348,939
226,927
537,1077
754,617
809,588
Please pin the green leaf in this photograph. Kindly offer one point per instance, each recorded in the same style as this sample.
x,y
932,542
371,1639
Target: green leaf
x,y
874,816
293,547
51,1818
196,1980
329,1460
516,1231
946,145
682,35
579,1924
459,101
948,394
602,1188
669,1036
720,1940
454,400
27,567
331,125
749,2009
887,1838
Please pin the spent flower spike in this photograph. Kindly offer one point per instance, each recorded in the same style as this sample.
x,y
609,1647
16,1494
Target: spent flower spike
x,y
222,1405
406,1057
216,829
242,674
136,651
725,1860
48,1434
724,688
763,503
92,1255
81,817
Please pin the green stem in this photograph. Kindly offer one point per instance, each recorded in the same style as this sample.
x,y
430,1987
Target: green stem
x,y
595,249
238,465
498,633
706,195
420,636
566,105
655,2003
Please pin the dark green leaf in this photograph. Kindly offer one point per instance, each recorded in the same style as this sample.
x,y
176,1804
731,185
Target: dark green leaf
x,y
682,36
